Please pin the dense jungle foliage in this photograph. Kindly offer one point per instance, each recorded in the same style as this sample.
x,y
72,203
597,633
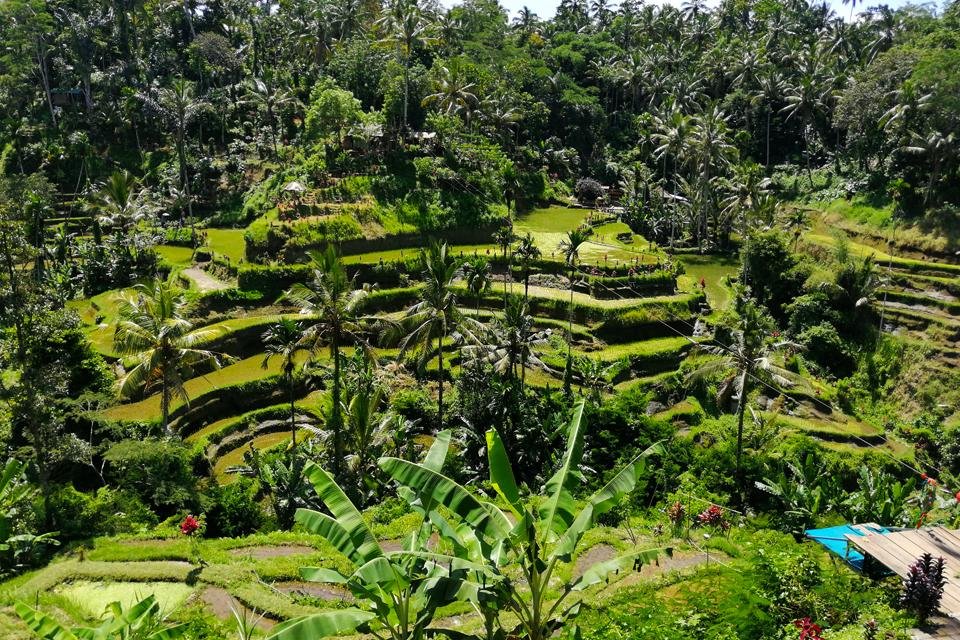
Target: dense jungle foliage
x,y
349,317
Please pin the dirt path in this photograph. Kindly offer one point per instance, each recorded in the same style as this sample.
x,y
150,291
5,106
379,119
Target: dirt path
x,y
203,280
223,605
275,551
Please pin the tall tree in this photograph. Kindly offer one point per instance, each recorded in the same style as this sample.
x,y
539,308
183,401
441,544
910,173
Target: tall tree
x,y
436,315
284,340
153,330
179,106
406,25
331,301
570,248
746,360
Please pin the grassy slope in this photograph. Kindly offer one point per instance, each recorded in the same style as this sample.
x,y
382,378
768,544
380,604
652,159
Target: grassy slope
x,y
227,242
242,371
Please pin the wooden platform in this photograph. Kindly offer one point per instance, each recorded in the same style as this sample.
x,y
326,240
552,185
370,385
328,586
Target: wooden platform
x,y
899,549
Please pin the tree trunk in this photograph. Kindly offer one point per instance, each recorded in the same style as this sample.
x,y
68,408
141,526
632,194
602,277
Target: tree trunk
x,y
440,391
768,137
568,372
184,176
741,410
336,418
45,77
293,413
165,403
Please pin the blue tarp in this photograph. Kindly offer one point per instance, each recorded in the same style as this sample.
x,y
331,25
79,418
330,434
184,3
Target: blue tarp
x,y
833,538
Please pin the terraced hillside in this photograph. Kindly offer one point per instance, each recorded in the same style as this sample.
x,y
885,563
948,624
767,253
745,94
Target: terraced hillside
x,y
640,329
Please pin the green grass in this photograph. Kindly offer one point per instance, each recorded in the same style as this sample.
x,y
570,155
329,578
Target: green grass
x,y
227,242
884,259
714,270
92,598
235,456
845,428
61,572
243,371
395,255
177,256
642,348
859,211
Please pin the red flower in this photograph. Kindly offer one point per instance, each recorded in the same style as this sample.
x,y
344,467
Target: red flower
x,y
957,496
809,630
189,526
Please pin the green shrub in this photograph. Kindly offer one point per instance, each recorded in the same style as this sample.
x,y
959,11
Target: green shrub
x,y
107,512
232,510
826,348
159,472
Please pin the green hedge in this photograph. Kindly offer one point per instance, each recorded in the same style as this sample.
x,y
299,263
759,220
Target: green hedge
x,y
271,280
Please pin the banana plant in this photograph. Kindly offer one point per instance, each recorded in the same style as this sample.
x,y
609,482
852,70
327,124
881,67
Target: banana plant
x,y
141,621
535,541
399,591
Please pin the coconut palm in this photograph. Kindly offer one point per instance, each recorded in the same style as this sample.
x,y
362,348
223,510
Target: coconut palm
x,y
805,100
180,107
284,340
454,94
746,360
436,315
406,25
769,93
476,275
120,203
570,248
153,331
510,343
527,251
270,97
331,299
504,238
796,222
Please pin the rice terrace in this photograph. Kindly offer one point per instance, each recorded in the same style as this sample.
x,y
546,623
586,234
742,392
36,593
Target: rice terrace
x,y
407,319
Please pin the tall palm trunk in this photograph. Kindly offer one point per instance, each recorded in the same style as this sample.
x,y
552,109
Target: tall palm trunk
x,y
165,403
443,332
568,373
769,110
741,411
336,417
293,410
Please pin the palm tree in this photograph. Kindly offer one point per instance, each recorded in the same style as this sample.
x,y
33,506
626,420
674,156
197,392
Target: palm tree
x,y
269,97
331,300
747,359
476,275
510,343
713,151
528,251
453,94
436,314
153,330
285,341
805,100
120,203
365,434
504,238
594,376
406,26
769,93
796,222
570,248
179,105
